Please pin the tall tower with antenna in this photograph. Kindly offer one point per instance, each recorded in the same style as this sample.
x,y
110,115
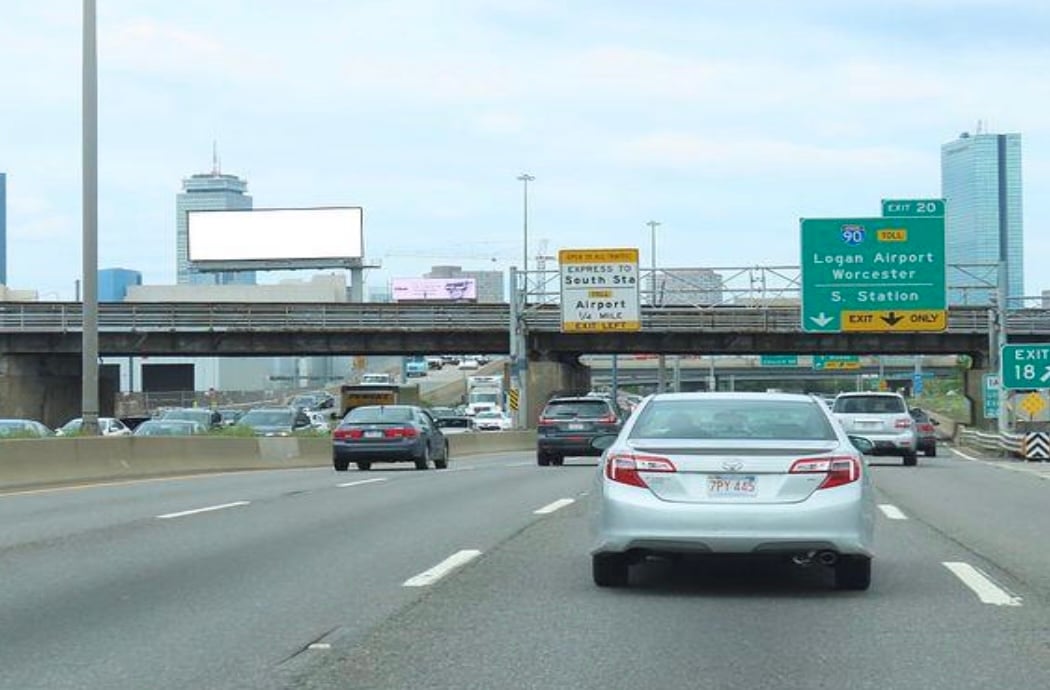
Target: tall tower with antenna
x,y
210,191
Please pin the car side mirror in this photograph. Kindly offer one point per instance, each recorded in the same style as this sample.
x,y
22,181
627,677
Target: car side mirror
x,y
864,445
934,422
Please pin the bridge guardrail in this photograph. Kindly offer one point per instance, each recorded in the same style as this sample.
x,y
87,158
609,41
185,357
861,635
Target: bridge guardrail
x,y
61,317
1005,444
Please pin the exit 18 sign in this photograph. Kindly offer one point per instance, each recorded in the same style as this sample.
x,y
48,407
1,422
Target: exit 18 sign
x,y
1025,366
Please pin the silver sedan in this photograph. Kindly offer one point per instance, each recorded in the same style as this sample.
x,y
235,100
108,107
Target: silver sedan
x,y
734,473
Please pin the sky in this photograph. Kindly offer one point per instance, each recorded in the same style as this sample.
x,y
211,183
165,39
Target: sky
x,y
726,121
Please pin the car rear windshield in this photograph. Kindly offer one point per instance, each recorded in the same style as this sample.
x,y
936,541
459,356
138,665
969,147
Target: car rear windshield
x,y
267,418
732,419
378,415
869,404
573,409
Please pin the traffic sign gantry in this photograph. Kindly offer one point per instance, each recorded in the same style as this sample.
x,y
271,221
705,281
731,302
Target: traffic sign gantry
x,y
599,290
873,274
1025,366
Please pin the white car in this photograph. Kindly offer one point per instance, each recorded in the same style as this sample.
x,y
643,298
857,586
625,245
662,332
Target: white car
x,y
492,420
108,426
760,474
469,365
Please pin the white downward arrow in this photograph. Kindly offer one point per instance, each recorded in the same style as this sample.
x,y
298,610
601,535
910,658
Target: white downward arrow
x,y
822,319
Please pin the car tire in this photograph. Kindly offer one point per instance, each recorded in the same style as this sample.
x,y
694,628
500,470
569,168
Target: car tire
x,y
911,459
609,569
423,462
853,573
931,451
364,466
542,459
340,465
442,464
557,460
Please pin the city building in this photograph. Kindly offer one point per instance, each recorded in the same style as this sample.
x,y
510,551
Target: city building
x,y
214,191
113,283
245,373
981,185
3,228
680,287
489,284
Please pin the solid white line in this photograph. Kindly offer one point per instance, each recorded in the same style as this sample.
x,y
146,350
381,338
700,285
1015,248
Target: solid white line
x,y
429,577
235,504
986,590
964,455
519,464
556,505
892,512
362,481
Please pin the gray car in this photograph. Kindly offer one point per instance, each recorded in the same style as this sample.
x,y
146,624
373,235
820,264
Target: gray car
x,y
388,433
765,474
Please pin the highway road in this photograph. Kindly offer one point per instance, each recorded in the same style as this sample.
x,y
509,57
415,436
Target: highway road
x,y
478,577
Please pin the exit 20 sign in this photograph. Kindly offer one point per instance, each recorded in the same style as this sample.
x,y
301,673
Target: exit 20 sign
x,y
1025,366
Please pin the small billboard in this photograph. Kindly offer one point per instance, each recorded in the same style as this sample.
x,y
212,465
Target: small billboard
x,y
279,237
429,289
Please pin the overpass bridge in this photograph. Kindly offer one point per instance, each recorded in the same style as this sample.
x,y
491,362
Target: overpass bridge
x,y
40,342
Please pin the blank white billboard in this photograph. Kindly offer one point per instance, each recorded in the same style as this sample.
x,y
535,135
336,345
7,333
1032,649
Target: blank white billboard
x,y
279,234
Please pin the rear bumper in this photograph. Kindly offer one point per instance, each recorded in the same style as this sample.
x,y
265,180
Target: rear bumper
x,y
633,519
393,451
571,445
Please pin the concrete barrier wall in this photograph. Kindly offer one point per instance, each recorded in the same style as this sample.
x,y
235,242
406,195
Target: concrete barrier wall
x,y
59,461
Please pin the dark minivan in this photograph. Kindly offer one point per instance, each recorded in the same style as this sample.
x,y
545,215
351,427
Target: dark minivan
x,y
567,426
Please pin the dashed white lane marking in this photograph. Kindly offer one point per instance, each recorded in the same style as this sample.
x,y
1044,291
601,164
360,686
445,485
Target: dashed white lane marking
x,y
320,646
556,505
235,504
429,577
892,512
361,481
986,590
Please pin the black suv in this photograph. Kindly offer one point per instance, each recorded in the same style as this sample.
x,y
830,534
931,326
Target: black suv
x,y
568,425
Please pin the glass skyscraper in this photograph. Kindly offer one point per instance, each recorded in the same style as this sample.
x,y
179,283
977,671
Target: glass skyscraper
x,y
113,283
981,183
3,228
212,191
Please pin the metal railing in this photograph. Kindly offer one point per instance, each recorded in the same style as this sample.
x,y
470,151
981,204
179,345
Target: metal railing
x,y
1005,443
40,317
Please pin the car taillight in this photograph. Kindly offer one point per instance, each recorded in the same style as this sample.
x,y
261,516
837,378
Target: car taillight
x,y
608,419
401,432
926,428
624,467
343,434
543,421
840,469
903,423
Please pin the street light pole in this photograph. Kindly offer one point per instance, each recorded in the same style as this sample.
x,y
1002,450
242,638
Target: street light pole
x,y
661,365
525,179
89,407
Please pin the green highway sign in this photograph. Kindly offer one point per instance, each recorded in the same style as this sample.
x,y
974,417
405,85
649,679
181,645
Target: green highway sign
x,y
835,362
991,396
873,274
912,207
779,361
1025,366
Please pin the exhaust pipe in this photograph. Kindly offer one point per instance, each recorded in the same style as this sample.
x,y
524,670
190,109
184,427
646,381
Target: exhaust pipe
x,y
827,557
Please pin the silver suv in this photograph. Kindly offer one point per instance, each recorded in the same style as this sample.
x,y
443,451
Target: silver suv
x,y
883,419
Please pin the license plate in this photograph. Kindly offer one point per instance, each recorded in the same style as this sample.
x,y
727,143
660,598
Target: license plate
x,y
732,486
375,433
576,426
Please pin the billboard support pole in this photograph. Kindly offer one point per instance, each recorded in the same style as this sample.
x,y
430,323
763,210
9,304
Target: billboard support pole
x,y
357,284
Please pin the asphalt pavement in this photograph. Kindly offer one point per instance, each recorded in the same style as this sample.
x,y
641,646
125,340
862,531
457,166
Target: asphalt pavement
x,y
478,577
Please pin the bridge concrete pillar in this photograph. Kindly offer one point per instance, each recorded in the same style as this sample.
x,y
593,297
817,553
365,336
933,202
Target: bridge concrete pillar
x,y
47,388
973,384
547,379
